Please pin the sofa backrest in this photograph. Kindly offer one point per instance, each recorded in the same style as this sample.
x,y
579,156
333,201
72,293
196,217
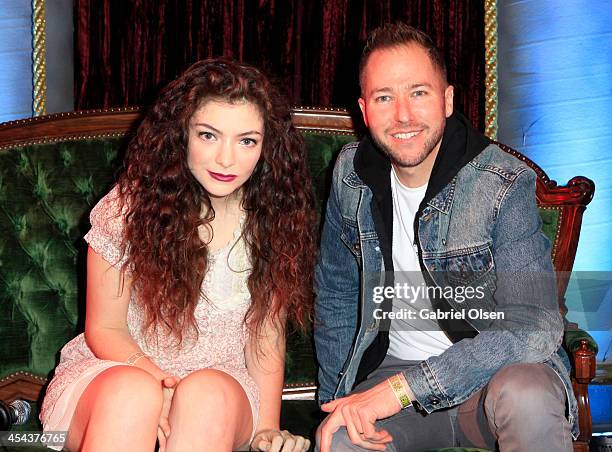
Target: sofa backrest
x,y
53,169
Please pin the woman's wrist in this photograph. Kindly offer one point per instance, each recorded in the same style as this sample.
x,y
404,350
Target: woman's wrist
x,y
262,427
145,362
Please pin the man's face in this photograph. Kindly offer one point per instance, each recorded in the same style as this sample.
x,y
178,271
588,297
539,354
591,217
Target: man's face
x,y
405,102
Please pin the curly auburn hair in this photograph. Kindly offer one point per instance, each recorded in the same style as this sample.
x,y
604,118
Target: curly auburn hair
x,y
163,204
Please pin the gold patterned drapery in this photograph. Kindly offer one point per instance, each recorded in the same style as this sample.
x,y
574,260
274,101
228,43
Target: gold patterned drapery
x,y
39,61
491,68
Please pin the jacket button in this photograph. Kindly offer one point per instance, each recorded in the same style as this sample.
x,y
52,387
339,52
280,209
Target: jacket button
x,y
435,401
357,246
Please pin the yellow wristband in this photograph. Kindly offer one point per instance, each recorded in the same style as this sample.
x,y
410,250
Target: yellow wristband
x,y
400,391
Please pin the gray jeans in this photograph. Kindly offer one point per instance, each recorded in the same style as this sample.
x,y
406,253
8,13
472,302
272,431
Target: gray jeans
x,y
521,409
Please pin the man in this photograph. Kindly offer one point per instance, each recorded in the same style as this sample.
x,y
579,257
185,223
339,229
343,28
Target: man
x,y
427,202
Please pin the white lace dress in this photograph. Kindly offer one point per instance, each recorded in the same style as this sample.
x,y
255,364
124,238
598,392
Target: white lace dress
x,y
220,343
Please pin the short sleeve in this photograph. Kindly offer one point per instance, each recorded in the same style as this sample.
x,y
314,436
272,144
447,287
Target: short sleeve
x,y
107,226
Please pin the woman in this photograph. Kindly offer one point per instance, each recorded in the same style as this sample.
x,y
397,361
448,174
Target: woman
x,y
197,259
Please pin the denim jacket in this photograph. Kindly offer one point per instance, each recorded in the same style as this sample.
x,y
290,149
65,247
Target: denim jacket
x,y
482,226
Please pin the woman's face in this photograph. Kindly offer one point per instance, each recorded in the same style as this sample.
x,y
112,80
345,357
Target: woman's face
x,y
225,142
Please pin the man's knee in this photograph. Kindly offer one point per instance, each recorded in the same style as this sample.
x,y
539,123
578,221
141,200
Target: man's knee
x,y
525,384
525,387
525,407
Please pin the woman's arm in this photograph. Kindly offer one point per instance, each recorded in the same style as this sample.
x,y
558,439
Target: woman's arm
x,y
106,331
267,367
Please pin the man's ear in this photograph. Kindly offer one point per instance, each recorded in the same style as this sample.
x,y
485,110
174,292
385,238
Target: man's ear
x,y
448,100
362,107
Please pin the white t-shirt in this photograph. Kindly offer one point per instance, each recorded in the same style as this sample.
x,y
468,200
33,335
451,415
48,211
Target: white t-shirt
x,y
411,338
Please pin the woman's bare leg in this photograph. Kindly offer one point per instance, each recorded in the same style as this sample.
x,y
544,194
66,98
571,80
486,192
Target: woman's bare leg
x,y
210,412
119,410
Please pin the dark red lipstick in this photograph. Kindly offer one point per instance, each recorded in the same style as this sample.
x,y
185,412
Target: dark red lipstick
x,y
222,177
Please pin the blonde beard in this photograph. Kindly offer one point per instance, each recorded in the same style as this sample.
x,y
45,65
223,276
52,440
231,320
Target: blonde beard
x,y
428,148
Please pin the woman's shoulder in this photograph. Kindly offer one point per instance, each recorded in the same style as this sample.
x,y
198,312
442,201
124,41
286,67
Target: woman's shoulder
x,y
107,226
109,212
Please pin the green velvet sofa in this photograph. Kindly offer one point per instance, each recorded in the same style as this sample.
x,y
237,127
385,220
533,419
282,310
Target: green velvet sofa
x,y
53,169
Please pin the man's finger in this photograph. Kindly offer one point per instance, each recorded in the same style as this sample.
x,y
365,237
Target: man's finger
x,y
330,406
372,446
332,424
356,419
354,432
369,430
379,437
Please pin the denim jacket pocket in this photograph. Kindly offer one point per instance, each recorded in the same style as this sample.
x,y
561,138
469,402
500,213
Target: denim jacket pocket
x,y
350,237
462,267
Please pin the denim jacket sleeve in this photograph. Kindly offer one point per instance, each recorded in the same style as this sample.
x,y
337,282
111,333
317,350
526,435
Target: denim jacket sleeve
x,y
525,291
336,296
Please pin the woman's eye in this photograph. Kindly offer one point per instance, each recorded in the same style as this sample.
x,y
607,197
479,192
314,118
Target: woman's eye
x,y
248,142
207,136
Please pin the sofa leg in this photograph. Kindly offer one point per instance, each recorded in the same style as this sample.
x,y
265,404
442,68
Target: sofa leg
x,y
584,372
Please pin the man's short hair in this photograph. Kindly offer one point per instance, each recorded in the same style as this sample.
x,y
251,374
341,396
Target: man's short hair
x,y
397,34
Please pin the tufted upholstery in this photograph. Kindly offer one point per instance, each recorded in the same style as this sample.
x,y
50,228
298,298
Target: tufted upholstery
x,y
54,169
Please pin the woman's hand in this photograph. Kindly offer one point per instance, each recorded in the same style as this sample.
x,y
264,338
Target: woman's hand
x,y
163,430
277,441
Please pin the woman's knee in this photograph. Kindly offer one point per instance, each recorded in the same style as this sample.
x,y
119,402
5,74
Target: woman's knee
x,y
126,387
121,394
217,403
211,387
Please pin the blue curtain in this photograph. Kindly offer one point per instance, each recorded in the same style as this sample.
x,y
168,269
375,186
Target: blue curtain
x,y
15,59
555,105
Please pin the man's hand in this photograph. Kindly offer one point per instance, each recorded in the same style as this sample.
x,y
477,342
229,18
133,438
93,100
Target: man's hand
x,y
163,430
277,441
358,412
